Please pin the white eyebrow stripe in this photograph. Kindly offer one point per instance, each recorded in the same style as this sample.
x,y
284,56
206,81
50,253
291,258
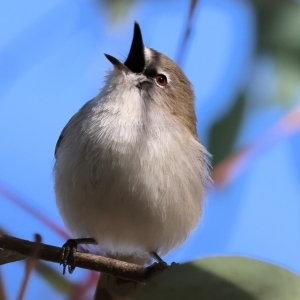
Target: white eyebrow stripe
x,y
148,55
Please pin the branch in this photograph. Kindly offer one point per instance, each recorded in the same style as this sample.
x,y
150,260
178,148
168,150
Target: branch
x,y
187,31
7,256
88,261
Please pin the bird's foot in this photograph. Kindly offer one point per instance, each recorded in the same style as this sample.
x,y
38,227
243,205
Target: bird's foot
x,y
68,251
160,264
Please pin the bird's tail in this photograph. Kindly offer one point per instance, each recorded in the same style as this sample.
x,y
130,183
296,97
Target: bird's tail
x,y
113,288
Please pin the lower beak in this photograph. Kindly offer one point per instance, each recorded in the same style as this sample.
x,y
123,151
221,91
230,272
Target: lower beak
x,y
117,63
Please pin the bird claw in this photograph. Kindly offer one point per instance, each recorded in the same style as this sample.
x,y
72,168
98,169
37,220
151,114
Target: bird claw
x,y
69,249
159,266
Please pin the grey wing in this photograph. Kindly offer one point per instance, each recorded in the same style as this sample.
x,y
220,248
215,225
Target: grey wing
x,y
60,139
58,143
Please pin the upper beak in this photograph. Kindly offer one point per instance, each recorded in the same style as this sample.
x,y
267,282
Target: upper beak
x,y
135,61
136,57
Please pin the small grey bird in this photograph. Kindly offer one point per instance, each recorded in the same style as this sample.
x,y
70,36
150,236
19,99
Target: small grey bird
x,y
130,172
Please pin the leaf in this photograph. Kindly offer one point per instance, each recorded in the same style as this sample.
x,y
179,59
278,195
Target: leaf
x,y
223,133
288,73
223,278
278,36
269,3
279,27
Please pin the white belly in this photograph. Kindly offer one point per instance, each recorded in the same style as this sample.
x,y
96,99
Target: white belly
x,y
133,189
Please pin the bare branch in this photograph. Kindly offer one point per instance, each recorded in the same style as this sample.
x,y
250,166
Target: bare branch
x,y
82,260
187,32
7,256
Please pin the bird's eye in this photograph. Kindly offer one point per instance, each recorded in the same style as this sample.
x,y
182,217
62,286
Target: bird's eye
x,y
161,80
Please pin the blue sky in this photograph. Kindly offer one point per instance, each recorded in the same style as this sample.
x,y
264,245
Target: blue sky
x,y
52,62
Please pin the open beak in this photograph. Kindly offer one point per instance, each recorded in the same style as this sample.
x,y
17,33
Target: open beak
x,y
135,61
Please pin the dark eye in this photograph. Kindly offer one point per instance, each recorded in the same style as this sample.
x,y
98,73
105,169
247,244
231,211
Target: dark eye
x,y
161,80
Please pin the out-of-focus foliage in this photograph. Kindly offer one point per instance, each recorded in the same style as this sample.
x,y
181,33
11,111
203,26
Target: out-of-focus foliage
x,y
55,279
223,278
278,28
224,132
118,9
278,37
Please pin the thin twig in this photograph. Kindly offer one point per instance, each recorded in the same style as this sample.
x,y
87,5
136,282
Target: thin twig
x,y
187,32
88,261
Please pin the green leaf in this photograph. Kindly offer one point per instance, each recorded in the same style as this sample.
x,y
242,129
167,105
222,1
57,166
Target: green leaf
x,y
223,278
270,3
279,28
223,133
278,36
288,74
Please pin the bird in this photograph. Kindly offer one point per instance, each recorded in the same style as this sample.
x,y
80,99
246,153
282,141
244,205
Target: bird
x,y
130,172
